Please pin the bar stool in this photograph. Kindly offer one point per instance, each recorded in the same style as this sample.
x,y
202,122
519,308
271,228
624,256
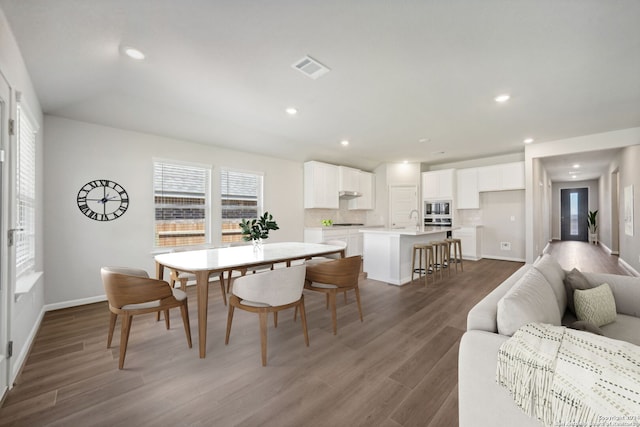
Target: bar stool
x,y
441,249
419,248
456,246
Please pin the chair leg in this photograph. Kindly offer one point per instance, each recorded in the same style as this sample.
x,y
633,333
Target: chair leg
x,y
334,314
263,336
275,319
183,285
229,320
357,290
166,319
345,298
303,318
295,314
124,338
327,301
224,294
184,309
112,326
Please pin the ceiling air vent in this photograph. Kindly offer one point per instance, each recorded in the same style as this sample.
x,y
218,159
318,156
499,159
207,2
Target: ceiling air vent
x,y
310,67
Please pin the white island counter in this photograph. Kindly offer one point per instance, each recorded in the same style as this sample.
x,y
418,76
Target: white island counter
x,y
387,252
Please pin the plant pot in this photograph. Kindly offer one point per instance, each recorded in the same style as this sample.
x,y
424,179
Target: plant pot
x,y
257,245
593,238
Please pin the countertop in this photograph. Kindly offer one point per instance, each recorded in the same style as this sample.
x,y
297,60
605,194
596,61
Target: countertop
x,y
343,227
408,231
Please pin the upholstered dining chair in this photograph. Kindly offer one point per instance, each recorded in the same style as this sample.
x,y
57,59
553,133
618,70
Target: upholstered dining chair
x,y
331,277
130,292
244,271
269,292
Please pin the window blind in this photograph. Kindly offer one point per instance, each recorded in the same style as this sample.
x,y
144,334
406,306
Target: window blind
x,y
241,197
25,195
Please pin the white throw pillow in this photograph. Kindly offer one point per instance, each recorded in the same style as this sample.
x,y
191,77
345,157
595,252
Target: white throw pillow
x,y
553,272
595,305
531,299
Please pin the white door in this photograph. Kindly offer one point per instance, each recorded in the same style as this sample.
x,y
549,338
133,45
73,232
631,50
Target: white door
x,y
403,200
4,200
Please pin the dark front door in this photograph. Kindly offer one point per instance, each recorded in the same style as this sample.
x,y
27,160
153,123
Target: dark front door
x,y
574,206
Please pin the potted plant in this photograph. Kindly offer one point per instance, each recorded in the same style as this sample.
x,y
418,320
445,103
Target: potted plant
x,y
256,230
592,225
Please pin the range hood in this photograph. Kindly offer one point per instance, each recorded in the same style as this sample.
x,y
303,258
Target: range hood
x,y
349,194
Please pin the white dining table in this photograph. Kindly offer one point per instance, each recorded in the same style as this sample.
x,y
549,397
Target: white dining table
x,y
203,263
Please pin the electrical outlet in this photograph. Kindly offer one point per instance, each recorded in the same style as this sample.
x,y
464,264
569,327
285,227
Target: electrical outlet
x,y
505,246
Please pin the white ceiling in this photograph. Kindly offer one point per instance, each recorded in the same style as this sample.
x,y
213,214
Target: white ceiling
x,y
219,72
591,165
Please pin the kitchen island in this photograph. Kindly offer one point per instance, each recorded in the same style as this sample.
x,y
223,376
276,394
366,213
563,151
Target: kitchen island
x,y
387,252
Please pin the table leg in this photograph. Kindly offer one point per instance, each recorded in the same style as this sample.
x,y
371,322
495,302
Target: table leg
x,y
202,288
159,271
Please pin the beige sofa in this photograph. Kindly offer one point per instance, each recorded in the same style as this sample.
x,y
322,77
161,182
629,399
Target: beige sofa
x,y
482,402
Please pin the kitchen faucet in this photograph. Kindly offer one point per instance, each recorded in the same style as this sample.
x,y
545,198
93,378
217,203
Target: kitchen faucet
x,y
417,218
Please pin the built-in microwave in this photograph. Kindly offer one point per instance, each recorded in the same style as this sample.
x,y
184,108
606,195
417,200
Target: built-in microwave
x,y
437,213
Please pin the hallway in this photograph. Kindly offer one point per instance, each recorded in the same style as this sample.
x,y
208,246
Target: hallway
x,y
585,257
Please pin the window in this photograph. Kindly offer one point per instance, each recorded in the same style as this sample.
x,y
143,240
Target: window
x,y
25,195
182,208
241,197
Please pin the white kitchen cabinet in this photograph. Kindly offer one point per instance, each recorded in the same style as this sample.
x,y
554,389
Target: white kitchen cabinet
x,y
349,235
470,241
367,189
348,179
467,194
506,176
438,185
320,185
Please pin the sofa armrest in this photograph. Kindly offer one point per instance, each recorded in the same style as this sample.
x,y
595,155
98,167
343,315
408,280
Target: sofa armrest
x,y
481,401
483,315
625,289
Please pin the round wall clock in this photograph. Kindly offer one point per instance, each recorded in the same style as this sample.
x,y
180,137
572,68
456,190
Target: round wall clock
x,y
103,200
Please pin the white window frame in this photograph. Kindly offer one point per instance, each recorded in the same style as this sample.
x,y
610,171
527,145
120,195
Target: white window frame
x,y
260,190
207,205
25,196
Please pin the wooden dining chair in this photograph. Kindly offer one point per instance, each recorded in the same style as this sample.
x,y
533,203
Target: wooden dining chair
x,y
269,292
131,292
331,277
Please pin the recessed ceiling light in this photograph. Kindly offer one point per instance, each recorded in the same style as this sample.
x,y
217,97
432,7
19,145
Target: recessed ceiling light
x,y
528,141
502,98
405,162
576,166
132,52
423,140
291,111
344,142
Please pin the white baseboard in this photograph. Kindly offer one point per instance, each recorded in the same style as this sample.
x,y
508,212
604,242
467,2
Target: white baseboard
x,y
18,363
503,258
74,303
627,267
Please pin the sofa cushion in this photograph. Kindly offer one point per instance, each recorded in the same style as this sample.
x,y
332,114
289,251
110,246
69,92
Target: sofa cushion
x,y
572,281
595,305
530,300
625,328
553,272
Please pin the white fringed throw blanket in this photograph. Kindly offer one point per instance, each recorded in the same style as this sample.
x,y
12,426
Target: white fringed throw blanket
x,y
565,377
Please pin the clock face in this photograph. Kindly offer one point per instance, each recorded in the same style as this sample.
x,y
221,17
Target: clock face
x,y
103,200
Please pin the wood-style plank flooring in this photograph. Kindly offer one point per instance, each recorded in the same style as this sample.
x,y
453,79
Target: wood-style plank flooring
x,y
397,368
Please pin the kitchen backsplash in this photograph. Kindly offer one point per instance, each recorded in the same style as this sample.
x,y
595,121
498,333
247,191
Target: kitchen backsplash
x,y
468,217
313,217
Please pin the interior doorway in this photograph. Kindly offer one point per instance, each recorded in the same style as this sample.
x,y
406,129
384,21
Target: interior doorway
x,y
615,213
574,208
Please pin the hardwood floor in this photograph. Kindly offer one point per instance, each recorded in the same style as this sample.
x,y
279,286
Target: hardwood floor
x,y
397,368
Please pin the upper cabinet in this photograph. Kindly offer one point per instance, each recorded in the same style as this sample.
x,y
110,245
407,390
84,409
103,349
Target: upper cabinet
x,y
320,185
348,179
367,189
506,176
438,185
467,195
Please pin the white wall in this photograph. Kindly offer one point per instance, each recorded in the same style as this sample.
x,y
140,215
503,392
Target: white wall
x,y
26,312
627,165
76,246
503,221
